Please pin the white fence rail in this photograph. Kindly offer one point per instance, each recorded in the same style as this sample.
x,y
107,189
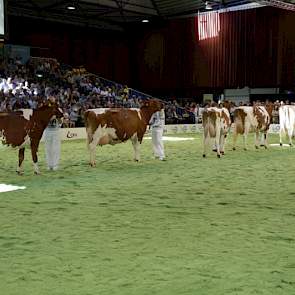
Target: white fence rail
x,y
80,133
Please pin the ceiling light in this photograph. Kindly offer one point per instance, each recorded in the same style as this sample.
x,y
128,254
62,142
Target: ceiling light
x,y
208,6
145,21
71,7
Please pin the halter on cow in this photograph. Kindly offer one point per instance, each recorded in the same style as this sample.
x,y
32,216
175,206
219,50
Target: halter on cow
x,y
18,130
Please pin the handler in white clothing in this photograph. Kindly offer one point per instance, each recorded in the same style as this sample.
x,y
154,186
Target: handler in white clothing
x,y
157,124
52,144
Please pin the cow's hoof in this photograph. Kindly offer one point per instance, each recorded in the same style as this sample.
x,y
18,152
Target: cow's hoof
x,y
204,156
290,144
92,164
222,153
214,150
245,149
36,173
281,144
218,156
234,148
257,147
265,147
20,172
136,160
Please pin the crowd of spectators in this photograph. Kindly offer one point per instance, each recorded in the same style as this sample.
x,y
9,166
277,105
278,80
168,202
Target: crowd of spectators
x,y
76,90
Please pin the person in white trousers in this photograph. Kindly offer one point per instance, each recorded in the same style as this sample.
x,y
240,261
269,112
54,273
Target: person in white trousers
x,y
157,124
52,144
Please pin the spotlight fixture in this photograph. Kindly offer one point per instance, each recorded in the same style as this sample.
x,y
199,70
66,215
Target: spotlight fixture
x,y
208,6
71,5
39,74
145,21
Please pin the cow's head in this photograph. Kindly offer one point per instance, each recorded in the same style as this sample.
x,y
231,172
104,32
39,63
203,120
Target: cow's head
x,y
269,106
153,104
48,110
53,108
226,104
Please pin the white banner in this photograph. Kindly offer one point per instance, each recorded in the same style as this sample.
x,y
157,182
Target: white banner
x,y
80,133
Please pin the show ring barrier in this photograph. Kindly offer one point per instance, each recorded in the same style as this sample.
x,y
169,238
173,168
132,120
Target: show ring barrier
x,y
80,133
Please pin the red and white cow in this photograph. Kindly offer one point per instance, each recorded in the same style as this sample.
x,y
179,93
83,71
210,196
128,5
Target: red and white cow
x,y
252,118
216,124
118,125
287,122
21,128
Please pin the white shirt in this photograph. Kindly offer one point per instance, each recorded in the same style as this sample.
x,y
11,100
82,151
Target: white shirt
x,y
158,120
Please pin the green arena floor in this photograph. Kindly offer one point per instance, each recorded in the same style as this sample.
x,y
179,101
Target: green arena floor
x,y
185,226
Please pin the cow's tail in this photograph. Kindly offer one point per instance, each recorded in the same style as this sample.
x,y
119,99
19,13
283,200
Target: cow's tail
x,y
209,123
239,120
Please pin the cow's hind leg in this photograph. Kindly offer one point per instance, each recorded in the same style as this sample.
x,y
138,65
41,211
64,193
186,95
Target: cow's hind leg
x,y
92,142
245,135
217,141
21,156
222,143
290,134
206,142
136,147
235,136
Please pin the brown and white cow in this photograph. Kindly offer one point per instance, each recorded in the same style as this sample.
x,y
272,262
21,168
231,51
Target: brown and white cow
x,y
216,124
252,118
25,127
287,122
118,125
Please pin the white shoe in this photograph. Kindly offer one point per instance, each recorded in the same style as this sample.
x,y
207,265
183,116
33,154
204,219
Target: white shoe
x,y
52,168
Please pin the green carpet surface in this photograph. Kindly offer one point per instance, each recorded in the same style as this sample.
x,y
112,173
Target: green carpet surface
x,y
185,226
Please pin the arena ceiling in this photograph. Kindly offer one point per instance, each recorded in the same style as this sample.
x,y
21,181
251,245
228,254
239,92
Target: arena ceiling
x,y
114,14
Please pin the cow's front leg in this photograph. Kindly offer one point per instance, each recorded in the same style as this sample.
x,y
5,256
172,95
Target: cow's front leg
x,y
34,150
136,148
282,131
256,139
92,150
21,156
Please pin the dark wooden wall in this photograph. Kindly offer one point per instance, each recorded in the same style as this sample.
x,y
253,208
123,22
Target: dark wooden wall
x,y
255,48
105,53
